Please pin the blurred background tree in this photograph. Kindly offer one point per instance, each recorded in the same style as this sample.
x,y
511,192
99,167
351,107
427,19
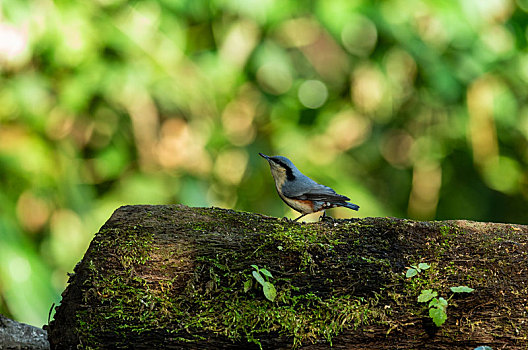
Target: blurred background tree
x,y
413,108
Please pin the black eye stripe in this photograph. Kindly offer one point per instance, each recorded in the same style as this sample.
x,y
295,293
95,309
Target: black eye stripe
x,y
289,172
281,163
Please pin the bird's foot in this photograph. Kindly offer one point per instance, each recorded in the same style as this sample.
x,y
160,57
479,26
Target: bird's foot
x,y
326,218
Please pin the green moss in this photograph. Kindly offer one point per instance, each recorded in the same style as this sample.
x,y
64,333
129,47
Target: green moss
x,y
225,309
445,230
214,300
363,286
301,316
304,318
119,295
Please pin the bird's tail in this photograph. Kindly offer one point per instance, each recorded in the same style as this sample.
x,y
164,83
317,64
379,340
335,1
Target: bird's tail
x,y
351,206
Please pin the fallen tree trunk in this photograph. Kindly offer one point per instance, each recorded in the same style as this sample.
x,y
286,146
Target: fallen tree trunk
x,y
179,277
16,335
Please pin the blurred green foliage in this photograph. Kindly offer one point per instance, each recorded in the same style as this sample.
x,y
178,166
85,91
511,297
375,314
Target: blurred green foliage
x,y
412,108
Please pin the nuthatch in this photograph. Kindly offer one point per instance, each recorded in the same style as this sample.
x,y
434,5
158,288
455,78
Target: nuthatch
x,y
300,192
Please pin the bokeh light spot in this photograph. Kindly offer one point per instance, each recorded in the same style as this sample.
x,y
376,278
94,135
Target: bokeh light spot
x,y
400,68
503,175
426,184
396,148
181,146
488,11
298,32
313,93
239,42
348,129
483,133
359,36
498,39
237,119
230,165
368,86
13,43
19,268
32,211
67,231
431,29
274,77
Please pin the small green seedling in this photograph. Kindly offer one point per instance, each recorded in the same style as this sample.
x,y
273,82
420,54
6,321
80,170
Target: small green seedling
x,y
416,269
438,306
262,276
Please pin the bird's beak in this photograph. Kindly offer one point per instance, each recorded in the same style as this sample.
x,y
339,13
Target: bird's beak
x,y
264,156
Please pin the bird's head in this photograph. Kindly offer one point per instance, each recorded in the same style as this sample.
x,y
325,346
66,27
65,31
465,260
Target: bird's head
x,y
282,168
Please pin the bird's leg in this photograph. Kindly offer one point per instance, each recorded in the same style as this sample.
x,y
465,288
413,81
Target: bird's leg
x,y
300,217
324,217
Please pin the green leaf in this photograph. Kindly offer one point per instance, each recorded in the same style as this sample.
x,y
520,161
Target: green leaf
x,y
423,266
255,267
426,295
411,273
439,316
266,273
440,303
259,278
247,285
461,289
269,291
433,302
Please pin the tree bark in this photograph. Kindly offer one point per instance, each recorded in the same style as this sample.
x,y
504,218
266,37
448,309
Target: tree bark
x,y
16,335
177,277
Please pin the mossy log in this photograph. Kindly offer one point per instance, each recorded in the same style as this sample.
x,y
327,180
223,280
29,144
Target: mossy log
x,y
177,277
16,335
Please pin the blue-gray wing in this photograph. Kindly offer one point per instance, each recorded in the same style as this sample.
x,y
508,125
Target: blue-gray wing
x,y
307,189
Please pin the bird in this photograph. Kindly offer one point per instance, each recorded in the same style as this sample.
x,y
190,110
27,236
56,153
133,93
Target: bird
x,y
302,193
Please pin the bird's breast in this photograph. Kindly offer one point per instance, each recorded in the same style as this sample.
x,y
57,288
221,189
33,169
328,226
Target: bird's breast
x,y
302,206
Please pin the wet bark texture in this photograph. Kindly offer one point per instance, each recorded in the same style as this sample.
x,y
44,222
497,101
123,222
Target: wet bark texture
x,y
16,335
177,277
